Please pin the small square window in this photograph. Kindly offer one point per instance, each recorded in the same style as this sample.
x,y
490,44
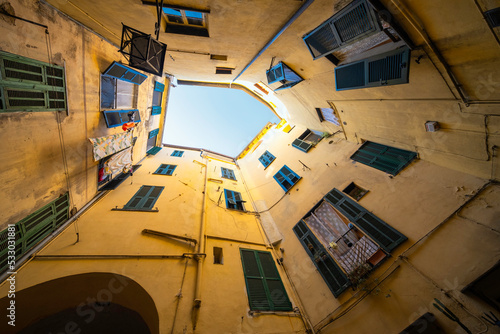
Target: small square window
x,y
177,153
233,200
218,257
228,173
266,159
186,22
286,178
165,169
355,191
223,70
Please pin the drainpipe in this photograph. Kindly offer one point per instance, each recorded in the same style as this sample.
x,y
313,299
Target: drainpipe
x,y
292,19
201,250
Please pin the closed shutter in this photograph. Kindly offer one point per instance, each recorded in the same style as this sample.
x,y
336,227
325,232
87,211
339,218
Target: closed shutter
x,y
224,172
301,145
334,277
144,199
355,21
170,169
384,235
165,169
159,87
125,73
385,158
391,68
156,110
31,85
264,286
34,228
153,133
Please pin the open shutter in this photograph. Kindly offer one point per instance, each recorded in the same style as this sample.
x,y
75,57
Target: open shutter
x,y
153,133
156,110
334,277
353,22
385,158
301,145
153,150
125,73
390,68
384,235
159,87
120,117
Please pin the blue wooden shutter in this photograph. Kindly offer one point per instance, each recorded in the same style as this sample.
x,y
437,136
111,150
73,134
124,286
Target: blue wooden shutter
x,y
118,118
156,110
388,159
384,235
159,87
334,277
286,178
170,169
390,68
153,150
355,21
264,286
125,73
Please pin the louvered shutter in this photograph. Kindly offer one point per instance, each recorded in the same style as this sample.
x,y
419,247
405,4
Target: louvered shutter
x,y
162,169
334,277
355,21
156,110
224,172
153,150
171,169
388,159
144,199
301,145
153,133
391,68
125,73
159,87
384,235
151,198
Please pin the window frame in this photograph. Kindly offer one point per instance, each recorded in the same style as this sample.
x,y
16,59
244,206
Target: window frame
x,y
231,195
177,153
165,169
227,173
286,178
143,199
268,272
266,159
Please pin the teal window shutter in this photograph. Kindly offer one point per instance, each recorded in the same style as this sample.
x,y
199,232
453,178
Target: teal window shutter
x,y
144,198
355,21
156,110
234,200
384,235
177,153
159,87
265,289
153,133
120,117
390,68
228,173
301,145
153,150
125,73
266,158
35,227
165,169
385,158
286,178
334,277
30,85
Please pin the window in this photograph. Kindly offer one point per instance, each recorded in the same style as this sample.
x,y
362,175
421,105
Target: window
x,y
355,191
228,173
264,286
119,87
144,199
487,288
357,20
151,148
493,17
307,140
327,114
218,258
286,178
344,240
266,158
385,158
390,68
33,228
177,153
165,169
30,85
186,21
118,118
233,200
157,98
284,74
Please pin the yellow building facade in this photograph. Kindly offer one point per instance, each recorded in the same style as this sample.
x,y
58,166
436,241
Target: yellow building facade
x,y
372,207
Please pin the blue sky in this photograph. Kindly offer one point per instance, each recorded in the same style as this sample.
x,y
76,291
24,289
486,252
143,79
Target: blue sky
x,y
217,119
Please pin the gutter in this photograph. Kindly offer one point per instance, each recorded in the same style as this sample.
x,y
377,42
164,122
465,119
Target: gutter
x,y
278,34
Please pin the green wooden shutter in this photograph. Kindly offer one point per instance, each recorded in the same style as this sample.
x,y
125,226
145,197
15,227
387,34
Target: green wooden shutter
x,y
153,150
144,198
31,85
301,145
385,158
35,227
153,133
384,235
355,21
390,68
334,277
264,286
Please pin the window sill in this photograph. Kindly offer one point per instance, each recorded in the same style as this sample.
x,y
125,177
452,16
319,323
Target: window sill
x,y
257,313
137,210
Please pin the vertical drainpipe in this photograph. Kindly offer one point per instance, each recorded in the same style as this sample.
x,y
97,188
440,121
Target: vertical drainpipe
x,y
201,250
